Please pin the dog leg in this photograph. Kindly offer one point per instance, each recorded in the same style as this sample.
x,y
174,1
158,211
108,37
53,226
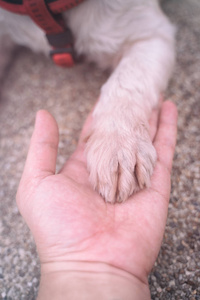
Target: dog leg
x,y
120,154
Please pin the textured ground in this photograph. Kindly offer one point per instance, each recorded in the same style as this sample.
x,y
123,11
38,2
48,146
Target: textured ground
x,y
30,82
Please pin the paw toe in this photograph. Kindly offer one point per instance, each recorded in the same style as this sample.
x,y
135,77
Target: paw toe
x,y
117,170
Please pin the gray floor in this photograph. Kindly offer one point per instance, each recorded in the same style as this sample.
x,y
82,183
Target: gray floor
x,y
30,82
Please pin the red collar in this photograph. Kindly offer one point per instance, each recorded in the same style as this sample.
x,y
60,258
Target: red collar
x,y
47,15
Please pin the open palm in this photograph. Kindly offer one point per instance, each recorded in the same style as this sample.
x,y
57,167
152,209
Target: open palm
x,y
71,222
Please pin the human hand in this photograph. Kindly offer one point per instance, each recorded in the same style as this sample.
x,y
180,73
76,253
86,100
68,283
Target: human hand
x,y
72,225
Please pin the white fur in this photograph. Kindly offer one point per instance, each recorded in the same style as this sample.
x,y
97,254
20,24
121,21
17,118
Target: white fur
x,y
135,40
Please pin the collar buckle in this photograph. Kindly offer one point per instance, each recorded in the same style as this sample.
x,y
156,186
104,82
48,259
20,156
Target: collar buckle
x,y
63,57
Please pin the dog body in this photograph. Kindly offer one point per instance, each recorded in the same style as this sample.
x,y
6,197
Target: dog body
x,y
135,40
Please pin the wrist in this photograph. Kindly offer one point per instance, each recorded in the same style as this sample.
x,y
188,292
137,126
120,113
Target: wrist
x,y
88,281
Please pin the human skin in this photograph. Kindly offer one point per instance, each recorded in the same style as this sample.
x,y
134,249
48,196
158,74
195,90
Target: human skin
x,y
90,249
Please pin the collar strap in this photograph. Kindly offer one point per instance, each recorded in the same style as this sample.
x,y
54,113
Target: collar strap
x,y
47,15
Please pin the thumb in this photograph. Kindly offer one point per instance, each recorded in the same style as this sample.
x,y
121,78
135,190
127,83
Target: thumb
x,y
42,154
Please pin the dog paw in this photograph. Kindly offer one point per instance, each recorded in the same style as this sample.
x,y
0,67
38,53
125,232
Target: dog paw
x,y
120,162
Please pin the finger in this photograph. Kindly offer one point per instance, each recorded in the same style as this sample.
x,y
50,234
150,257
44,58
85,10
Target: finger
x,y
42,154
150,206
86,130
164,143
79,153
165,139
153,122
